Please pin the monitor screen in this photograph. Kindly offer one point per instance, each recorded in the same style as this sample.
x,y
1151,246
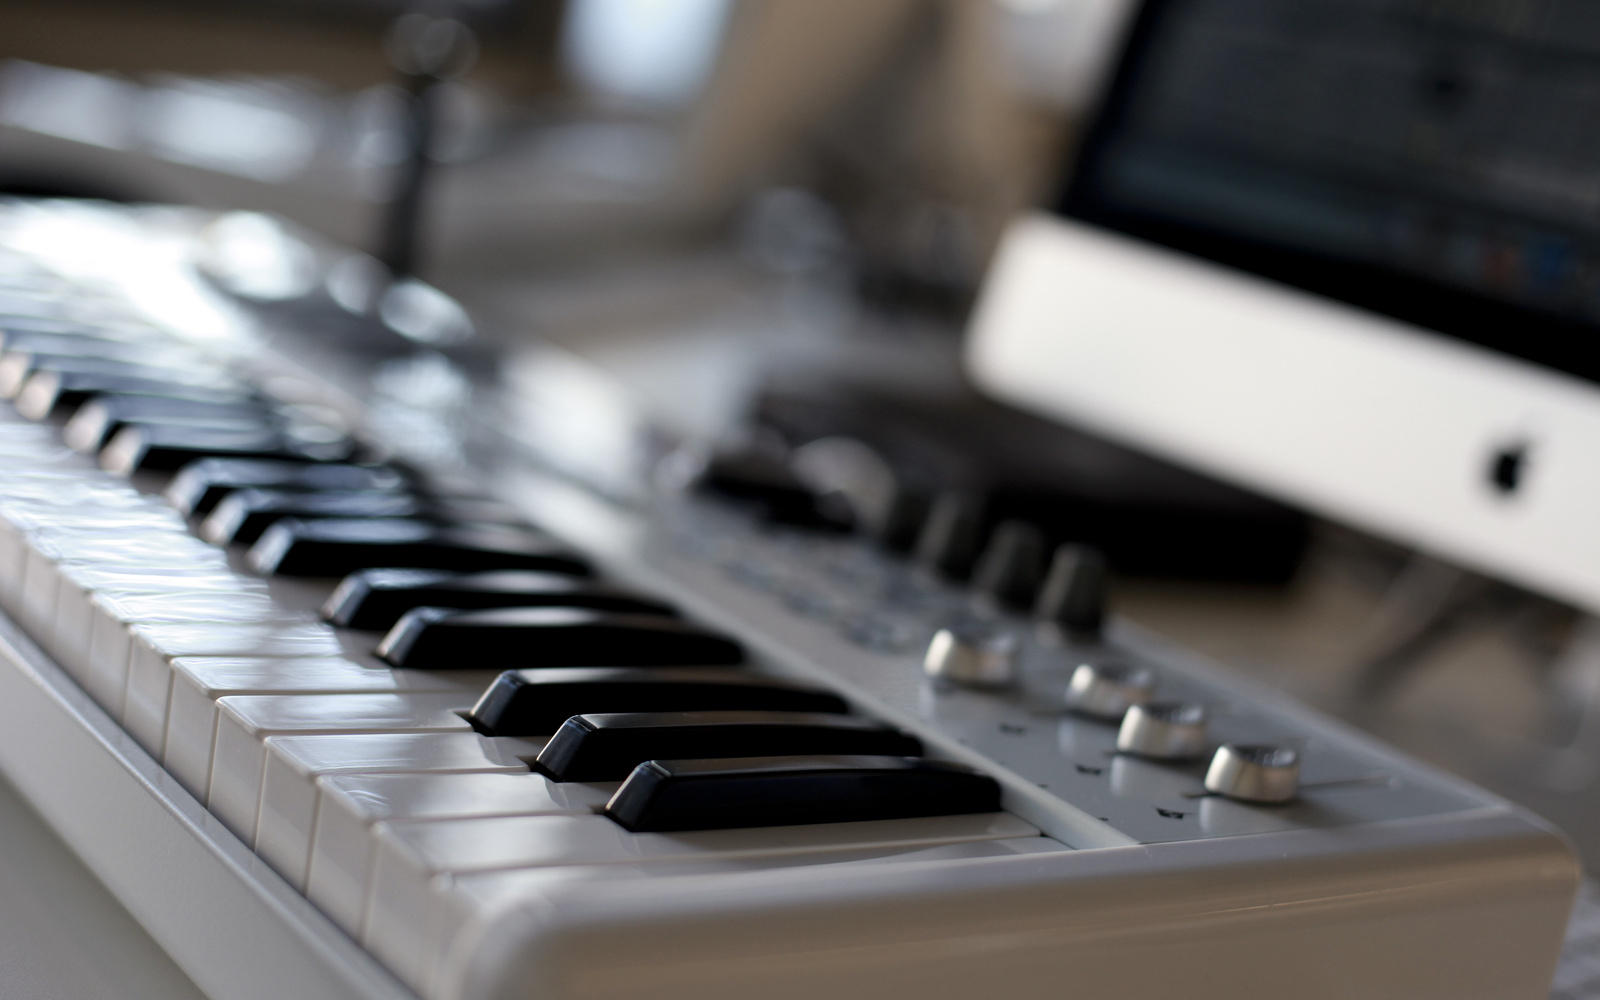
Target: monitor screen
x,y
1434,160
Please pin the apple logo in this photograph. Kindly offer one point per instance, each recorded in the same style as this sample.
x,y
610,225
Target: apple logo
x,y
1507,466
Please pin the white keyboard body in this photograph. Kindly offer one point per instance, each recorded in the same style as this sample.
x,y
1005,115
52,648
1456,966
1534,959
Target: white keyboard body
x,y
280,840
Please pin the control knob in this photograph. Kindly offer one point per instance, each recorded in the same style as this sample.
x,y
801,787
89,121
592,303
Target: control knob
x,y
948,542
1011,566
1075,591
1168,730
973,657
1105,690
1254,772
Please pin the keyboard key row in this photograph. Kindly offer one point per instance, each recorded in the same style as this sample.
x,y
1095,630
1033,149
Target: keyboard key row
x,y
392,778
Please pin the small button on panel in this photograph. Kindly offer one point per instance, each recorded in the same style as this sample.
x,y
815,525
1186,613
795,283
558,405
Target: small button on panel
x,y
1065,745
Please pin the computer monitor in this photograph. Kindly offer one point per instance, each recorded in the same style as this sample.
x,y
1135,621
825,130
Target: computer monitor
x,y
1346,252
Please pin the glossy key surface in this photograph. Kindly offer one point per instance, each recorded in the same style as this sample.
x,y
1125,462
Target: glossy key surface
x,y
376,598
340,546
537,702
242,517
102,416
519,638
50,393
669,795
152,447
607,747
199,487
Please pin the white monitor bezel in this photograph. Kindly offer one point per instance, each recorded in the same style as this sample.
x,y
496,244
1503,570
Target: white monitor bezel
x,y
1352,415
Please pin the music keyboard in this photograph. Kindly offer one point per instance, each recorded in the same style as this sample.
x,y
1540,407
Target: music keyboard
x,y
440,842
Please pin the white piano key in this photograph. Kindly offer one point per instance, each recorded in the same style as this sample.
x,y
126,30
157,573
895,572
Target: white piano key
x,y
49,550
409,854
427,953
156,646
348,806
290,799
198,682
80,582
245,721
147,689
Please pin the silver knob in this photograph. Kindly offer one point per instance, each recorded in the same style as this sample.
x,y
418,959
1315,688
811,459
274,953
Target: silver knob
x,y
976,658
1106,690
1254,772
1169,730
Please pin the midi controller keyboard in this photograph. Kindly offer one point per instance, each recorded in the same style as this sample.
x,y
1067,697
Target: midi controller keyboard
x,y
344,691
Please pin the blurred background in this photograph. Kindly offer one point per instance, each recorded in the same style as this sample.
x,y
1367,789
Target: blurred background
x,y
763,223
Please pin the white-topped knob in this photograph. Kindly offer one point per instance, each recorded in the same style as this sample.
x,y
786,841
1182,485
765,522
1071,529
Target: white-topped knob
x,y
1254,772
973,657
1169,730
1105,690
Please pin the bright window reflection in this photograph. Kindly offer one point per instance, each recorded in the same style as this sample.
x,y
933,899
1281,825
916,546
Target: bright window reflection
x,y
249,129
84,107
652,51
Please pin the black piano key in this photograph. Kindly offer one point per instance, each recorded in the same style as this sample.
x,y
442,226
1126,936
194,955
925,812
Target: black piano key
x,y
49,394
606,747
169,447
27,354
340,546
673,795
200,486
518,638
136,347
21,312
69,339
243,515
537,702
22,366
102,416
376,598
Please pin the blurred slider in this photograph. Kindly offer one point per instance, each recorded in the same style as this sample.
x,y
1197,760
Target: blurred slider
x,y
49,394
340,546
102,416
200,486
765,483
607,747
948,542
169,447
664,796
242,516
375,599
518,638
537,702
